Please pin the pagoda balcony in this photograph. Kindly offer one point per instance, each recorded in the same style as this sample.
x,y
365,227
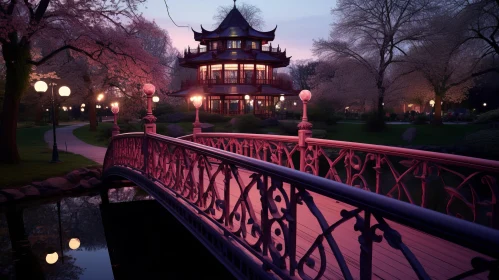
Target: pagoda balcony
x,y
277,83
195,52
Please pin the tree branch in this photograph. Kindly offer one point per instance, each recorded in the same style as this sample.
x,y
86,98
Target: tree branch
x,y
476,74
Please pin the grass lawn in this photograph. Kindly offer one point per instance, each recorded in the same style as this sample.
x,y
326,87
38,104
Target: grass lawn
x,y
35,157
97,138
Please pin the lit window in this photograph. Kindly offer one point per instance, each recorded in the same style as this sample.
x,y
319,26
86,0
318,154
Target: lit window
x,y
213,45
230,73
255,45
234,44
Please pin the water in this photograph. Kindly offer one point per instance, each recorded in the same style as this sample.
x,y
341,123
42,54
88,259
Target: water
x,y
132,237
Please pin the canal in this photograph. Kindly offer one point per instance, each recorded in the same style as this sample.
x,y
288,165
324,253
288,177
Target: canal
x,y
87,237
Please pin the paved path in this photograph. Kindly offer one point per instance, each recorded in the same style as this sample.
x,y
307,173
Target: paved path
x,y
74,145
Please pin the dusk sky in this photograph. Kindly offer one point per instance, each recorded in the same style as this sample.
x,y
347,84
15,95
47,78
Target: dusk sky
x,y
298,22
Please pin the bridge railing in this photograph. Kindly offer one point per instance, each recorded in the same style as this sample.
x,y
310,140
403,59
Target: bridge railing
x,y
283,218
457,185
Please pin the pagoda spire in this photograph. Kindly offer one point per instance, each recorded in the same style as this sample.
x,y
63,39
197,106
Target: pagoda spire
x,y
235,4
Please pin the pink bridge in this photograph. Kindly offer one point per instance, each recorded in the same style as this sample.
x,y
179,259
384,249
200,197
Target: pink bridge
x,y
298,207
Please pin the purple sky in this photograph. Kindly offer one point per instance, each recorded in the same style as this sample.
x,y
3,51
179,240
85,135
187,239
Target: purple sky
x,y
299,22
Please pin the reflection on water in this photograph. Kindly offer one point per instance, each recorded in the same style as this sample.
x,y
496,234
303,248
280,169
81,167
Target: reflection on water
x,y
86,237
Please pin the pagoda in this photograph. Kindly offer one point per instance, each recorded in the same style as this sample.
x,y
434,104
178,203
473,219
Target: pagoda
x,y
236,69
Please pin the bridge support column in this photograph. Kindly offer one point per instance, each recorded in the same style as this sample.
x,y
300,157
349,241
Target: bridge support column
x,y
149,119
304,129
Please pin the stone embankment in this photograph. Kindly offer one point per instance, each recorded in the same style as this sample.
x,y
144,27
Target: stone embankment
x,y
76,180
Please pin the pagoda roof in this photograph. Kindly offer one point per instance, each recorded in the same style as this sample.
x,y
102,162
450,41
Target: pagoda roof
x,y
217,90
239,56
234,25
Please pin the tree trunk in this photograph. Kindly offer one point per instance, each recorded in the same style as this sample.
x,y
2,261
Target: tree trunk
x,y
17,80
437,117
92,117
27,265
39,111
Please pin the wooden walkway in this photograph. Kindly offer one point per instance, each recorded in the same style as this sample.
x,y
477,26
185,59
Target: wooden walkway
x,y
441,259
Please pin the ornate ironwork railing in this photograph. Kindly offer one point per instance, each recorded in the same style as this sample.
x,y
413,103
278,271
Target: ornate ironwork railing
x,y
460,186
294,224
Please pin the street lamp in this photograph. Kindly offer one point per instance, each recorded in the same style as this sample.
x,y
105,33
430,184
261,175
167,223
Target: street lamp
x,y
98,106
281,98
64,91
197,101
432,103
74,243
247,99
155,99
52,258
484,104
82,109
115,109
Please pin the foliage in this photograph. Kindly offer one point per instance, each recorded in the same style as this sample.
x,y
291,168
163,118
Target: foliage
x,y
270,122
421,119
488,117
321,111
289,127
204,117
248,123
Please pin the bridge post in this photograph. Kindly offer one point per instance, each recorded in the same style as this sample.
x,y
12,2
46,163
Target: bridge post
x,y
304,129
149,119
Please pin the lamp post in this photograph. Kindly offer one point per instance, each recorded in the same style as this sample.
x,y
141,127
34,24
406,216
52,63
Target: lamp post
x,y
304,127
98,106
197,101
149,119
64,91
115,109
246,107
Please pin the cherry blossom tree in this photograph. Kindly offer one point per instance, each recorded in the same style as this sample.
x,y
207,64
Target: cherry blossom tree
x,y
374,34
104,33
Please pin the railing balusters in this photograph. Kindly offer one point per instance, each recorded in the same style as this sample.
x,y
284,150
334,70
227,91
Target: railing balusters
x,y
293,200
366,248
227,178
266,230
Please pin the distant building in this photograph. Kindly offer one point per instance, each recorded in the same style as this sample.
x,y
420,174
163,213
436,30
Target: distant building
x,y
236,69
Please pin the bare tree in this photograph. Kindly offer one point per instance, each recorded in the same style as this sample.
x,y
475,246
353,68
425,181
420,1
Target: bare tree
x,y
301,71
482,17
444,62
251,13
375,33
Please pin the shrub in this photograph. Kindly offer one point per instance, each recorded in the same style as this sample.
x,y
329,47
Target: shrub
x,y
319,133
289,127
374,123
488,117
270,122
248,123
393,117
421,119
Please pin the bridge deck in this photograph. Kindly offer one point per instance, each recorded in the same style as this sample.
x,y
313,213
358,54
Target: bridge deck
x,y
441,259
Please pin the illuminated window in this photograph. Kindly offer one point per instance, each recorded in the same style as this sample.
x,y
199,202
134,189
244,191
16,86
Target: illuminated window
x,y
255,45
230,73
213,45
216,73
247,73
234,44
203,73
260,73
